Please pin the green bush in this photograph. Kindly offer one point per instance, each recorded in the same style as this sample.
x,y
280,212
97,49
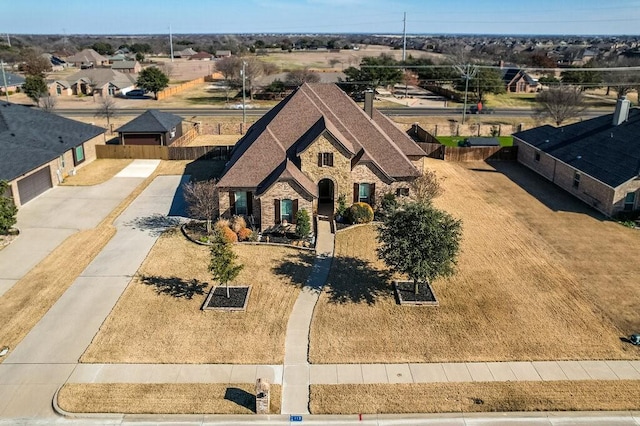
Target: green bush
x,y
388,204
8,209
341,209
303,224
360,213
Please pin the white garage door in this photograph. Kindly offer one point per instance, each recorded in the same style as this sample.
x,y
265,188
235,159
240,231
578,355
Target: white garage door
x,y
34,185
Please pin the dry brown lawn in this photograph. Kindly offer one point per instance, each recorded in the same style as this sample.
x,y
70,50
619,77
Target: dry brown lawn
x,y
476,397
98,171
533,283
215,140
163,398
150,326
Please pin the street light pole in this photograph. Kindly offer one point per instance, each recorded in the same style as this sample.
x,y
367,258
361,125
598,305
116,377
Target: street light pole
x,y
4,79
244,111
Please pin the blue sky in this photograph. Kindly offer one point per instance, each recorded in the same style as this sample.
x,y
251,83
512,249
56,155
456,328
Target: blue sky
x,y
322,16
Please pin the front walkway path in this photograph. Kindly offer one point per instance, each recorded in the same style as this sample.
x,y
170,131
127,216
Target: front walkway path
x,y
295,381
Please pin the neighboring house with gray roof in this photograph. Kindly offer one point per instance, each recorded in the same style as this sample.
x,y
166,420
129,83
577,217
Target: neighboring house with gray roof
x,y
14,82
151,128
39,149
87,58
596,160
100,81
313,147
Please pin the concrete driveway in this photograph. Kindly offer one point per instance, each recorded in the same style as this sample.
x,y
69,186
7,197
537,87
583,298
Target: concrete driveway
x,y
48,220
48,355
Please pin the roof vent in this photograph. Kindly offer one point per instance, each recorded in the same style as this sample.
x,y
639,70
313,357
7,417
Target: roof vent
x,y
621,113
546,141
579,157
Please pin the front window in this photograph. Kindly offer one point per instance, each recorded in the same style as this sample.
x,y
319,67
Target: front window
x,y
241,203
59,90
78,155
325,159
537,156
112,90
286,210
576,180
365,192
629,201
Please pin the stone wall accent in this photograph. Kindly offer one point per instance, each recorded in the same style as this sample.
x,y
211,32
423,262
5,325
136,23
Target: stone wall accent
x,y
366,173
282,191
340,173
223,204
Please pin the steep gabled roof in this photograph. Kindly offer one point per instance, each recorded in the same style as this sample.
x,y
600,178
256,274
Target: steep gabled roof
x,y
287,171
283,133
596,147
30,138
151,121
87,56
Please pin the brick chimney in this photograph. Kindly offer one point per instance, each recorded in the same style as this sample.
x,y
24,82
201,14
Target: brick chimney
x,y
368,103
621,113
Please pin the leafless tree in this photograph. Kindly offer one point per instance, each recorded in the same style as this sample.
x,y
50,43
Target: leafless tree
x,y
169,70
425,188
623,81
230,68
254,69
334,61
34,64
106,109
47,103
299,77
202,200
560,103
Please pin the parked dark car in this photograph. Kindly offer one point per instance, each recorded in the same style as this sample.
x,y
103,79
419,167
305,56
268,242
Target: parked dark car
x,y
136,93
475,110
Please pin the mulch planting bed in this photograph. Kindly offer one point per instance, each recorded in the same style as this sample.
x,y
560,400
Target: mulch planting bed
x,y
237,300
406,295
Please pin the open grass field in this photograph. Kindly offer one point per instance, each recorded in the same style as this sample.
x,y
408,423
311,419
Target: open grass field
x,y
158,318
163,398
476,397
538,279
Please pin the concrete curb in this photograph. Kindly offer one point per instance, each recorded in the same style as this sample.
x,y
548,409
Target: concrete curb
x,y
58,410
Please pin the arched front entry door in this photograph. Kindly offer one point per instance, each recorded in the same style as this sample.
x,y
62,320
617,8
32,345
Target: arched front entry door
x,y
325,197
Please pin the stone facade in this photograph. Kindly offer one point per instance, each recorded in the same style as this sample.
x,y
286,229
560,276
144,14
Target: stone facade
x,y
366,173
282,191
340,173
224,207
62,166
593,192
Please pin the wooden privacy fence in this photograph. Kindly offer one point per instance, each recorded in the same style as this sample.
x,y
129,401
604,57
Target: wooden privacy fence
x,y
480,153
149,152
169,91
186,137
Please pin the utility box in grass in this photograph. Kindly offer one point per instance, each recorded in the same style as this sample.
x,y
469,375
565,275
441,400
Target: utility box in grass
x,y
263,397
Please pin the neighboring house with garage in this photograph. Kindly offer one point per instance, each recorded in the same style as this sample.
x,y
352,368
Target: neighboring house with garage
x,y
39,149
596,160
151,128
101,81
313,147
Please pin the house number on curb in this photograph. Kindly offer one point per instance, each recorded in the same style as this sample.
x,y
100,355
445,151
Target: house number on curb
x,y
295,418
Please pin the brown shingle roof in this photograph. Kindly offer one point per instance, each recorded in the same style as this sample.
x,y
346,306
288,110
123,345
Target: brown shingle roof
x,y
279,136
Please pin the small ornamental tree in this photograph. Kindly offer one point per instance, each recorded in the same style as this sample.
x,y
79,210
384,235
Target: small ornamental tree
x,y
152,79
420,241
223,266
303,223
8,209
202,200
425,188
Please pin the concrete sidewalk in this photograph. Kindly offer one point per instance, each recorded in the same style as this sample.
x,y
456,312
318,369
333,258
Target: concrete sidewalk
x,y
47,356
295,381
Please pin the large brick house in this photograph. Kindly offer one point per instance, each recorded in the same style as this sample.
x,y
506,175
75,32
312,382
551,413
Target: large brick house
x,y
314,146
596,160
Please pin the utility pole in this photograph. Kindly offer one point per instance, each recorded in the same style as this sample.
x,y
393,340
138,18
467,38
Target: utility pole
x,y
404,37
244,110
468,72
8,40
4,78
171,42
